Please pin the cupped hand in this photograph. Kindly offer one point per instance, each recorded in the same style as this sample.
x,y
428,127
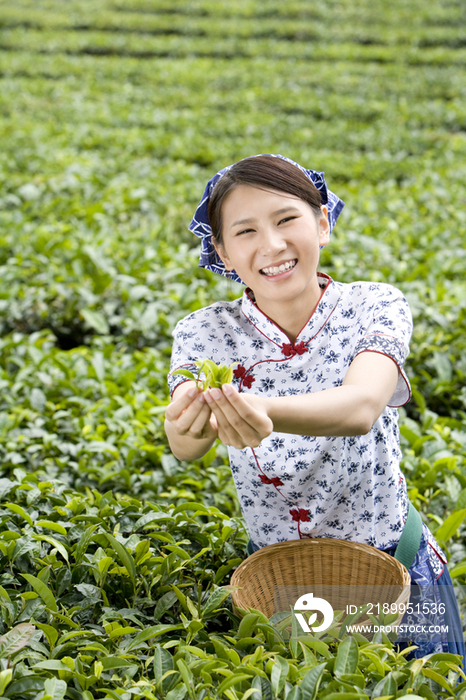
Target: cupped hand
x,y
242,419
189,414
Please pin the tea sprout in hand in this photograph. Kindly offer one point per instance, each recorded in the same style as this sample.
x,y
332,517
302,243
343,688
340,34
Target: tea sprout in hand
x,y
215,376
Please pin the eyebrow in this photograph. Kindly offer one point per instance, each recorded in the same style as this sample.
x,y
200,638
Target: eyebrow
x,y
274,213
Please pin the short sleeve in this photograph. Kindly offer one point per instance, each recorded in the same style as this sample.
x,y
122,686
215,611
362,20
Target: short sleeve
x,y
388,332
183,355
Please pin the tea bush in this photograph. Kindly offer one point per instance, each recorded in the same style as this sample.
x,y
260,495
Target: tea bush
x,y
114,556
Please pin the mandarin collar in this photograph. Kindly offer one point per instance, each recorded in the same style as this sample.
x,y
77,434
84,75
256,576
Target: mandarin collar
x,y
326,305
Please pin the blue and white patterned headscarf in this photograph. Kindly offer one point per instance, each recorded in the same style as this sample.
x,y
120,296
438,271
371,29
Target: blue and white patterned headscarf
x,y
201,228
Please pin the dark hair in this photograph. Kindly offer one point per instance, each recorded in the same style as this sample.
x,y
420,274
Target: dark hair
x,y
264,172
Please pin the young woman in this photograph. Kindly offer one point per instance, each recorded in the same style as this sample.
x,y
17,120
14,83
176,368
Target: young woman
x,y
310,418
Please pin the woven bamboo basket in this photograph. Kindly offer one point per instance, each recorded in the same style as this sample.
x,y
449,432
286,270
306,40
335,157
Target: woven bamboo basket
x,y
343,573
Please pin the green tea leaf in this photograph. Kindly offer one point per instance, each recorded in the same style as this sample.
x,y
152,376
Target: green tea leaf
x,y
15,639
124,556
55,688
15,508
58,545
42,591
440,680
451,524
5,679
311,682
295,694
23,546
164,603
112,662
153,631
234,679
50,632
163,663
83,543
95,320
279,674
347,657
214,601
51,526
185,373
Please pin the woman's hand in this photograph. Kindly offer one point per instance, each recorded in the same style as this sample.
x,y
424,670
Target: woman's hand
x,y
189,423
241,419
189,414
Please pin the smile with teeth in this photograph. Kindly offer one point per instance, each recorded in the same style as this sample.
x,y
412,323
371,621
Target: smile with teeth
x,y
284,267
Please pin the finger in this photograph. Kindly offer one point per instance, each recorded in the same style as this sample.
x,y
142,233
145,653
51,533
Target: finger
x,y
232,428
182,423
238,412
181,400
242,406
201,427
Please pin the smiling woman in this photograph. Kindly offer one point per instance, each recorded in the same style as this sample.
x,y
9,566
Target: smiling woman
x,y
280,175
274,248
310,416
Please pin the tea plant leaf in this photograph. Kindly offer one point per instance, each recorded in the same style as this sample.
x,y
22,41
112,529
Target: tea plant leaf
x,y
22,546
263,686
183,507
50,632
450,526
153,631
279,673
124,556
317,644
214,601
41,589
5,679
178,693
95,320
347,657
112,662
52,526
185,373
58,546
345,696
15,508
295,694
440,680
4,594
234,679
55,688
17,638
52,665
83,543
311,682
165,603
163,663
247,625
38,400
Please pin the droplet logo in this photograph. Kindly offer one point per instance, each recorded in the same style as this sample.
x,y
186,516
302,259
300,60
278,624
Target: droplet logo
x,y
308,603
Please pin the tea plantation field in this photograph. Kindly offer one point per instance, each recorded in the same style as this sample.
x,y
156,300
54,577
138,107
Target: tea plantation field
x,y
113,114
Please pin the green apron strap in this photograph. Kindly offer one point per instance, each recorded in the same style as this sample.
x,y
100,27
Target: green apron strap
x,y
410,538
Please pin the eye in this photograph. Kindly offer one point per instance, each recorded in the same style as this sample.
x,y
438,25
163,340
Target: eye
x,y
244,230
286,219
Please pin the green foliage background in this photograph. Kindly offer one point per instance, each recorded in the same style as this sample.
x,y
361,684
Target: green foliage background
x,y
114,113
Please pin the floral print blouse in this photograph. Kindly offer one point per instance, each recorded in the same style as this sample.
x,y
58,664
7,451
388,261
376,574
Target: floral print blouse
x,y
295,486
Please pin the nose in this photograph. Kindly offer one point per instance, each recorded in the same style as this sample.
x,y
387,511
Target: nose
x,y
271,243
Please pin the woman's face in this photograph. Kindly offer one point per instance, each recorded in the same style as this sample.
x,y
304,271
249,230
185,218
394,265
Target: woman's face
x,y
272,240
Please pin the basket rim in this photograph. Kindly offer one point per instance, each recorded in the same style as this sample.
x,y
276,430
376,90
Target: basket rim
x,y
323,542
384,566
